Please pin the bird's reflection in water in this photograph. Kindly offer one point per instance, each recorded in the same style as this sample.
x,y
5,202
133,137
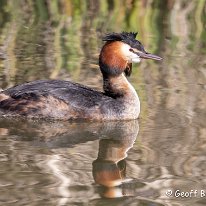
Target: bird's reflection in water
x,y
109,169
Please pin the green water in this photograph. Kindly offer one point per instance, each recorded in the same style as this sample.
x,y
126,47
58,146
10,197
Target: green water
x,y
144,162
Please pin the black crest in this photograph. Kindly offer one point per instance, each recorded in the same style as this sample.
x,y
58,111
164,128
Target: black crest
x,y
126,37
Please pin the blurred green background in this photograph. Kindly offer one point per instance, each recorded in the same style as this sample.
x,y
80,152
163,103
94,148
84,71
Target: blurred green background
x,y
50,39
59,39
62,39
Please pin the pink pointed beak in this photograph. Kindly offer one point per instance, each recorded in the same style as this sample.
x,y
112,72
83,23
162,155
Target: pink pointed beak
x,y
149,56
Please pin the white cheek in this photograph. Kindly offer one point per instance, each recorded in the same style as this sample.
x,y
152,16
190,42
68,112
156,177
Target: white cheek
x,y
136,60
131,57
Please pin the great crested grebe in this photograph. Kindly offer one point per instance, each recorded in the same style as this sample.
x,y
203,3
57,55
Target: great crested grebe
x,y
57,99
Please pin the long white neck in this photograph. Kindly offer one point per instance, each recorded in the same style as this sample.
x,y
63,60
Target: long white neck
x,y
120,89
118,86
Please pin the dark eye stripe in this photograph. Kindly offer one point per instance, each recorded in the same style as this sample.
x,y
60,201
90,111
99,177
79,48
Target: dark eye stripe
x,y
133,51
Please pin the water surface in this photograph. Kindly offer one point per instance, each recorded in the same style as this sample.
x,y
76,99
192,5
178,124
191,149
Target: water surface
x,y
144,162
